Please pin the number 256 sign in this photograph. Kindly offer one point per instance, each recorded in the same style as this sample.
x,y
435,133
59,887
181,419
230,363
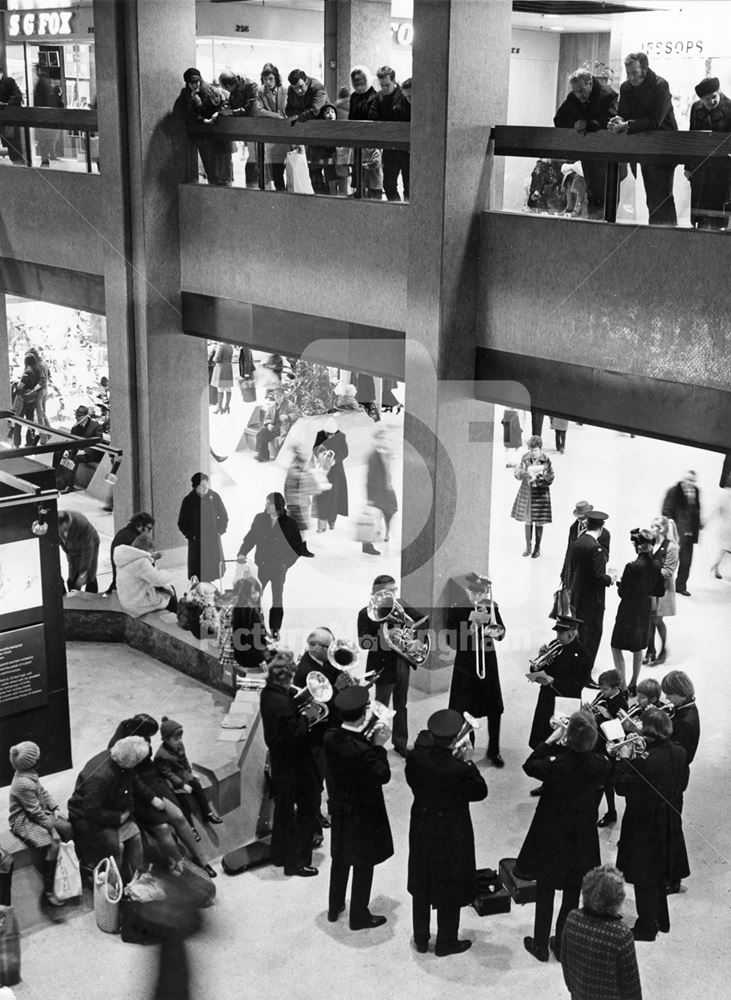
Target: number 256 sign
x,y
40,22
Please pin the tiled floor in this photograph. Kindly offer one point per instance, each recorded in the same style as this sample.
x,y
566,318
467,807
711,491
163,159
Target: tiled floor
x,y
267,936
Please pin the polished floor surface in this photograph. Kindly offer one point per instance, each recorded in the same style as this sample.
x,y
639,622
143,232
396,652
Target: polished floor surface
x,y
268,936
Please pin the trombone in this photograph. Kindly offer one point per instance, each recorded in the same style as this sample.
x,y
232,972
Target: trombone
x,y
484,604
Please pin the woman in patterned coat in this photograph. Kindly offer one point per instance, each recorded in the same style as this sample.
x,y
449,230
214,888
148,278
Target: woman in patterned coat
x,y
533,503
34,815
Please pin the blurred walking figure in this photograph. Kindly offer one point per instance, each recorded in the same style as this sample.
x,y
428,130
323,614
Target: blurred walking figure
x,y
379,486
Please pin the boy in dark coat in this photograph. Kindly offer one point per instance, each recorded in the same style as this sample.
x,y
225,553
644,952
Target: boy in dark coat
x,y
360,831
564,676
441,839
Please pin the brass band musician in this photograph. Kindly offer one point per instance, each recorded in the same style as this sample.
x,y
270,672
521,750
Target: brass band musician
x,y
562,668
473,627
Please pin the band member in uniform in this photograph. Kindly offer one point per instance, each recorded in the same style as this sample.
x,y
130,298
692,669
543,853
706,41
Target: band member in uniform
x,y
651,827
678,689
589,582
361,835
294,775
607,705
581,511
391,670
563,669
473,633
562,843
441,839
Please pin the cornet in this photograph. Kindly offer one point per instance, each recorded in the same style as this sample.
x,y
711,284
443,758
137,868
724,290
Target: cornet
x,y
484,604
461,741
310,700
544,659
560,722
380,719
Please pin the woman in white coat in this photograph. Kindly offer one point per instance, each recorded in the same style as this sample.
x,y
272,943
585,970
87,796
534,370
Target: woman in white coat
x,y
141,587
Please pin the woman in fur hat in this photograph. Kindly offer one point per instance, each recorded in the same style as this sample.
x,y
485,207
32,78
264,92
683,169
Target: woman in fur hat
x,y
710,179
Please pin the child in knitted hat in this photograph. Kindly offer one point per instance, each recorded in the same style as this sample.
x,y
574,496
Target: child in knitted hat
x,y
173,764
34,815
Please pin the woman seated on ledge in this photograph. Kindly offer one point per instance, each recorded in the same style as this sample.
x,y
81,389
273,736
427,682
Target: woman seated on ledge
x,y
141,587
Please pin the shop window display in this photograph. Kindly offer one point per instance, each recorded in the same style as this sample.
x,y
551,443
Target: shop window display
x,y
73,344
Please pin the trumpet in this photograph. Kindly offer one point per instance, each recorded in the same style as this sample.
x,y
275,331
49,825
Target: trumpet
x,y
484,604
398,629
599,702
379,719
461,741
560,722
631,747
311,699
544,659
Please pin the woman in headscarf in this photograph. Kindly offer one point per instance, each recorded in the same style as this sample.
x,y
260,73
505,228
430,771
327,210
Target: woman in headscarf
x,y
710,179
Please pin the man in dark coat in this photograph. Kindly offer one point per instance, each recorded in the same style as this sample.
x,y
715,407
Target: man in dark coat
x,y
578,527
441,839
473,633
10,97
652,825
568,671
391,670
79,539
645,104
85,427
710,179
390,105
293,771
306,96
140,523
203,519
360,833
589,108
682,503
562,843
589,582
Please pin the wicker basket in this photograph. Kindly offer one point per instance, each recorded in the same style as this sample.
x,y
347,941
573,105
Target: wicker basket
x,y
107,895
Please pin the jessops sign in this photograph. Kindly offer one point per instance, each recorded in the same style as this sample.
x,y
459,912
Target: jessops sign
x,y
40,24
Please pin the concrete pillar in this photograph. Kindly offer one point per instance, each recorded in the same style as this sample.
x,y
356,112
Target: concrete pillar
x,y
460,47
357,33
159,376
4,356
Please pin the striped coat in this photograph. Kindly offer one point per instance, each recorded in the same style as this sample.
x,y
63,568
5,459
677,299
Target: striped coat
x,y
31,810
533,502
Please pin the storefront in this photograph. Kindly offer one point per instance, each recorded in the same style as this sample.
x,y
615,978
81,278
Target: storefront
x,y
58,38
73,344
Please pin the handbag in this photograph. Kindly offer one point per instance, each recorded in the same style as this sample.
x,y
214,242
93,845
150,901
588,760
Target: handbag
x,y
67,877
248,390
107,895
561,603
9,947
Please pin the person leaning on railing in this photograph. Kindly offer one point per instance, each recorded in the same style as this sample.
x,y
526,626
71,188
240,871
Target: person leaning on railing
x,y
272,102
361,106
588,108
390,105
710,179
201,104
10,97
645,105
243,100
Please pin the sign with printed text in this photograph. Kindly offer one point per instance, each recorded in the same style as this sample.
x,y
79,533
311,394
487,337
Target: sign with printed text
x,y
48,26
23,682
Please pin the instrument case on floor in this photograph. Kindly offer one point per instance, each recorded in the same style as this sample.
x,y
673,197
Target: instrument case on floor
x,y
490,895
522,890
258,852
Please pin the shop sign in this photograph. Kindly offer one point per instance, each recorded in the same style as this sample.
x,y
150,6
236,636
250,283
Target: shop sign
x,y
39,23
403,33
674,47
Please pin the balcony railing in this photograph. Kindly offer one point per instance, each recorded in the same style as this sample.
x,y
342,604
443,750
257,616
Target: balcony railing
x,y
357,136
16,125
657,147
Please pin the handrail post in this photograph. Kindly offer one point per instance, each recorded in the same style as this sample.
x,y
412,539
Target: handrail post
x,y
358,169
88,151
611,192
28,151
261,161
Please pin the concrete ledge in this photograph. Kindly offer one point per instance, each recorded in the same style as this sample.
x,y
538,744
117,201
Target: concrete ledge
x,y
432,681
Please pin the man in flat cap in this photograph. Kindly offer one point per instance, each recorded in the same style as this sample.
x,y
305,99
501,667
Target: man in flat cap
x,y
360,835
565,671
589,582
441,839
710,179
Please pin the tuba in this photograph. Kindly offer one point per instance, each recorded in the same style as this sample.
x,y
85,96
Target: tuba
x,y
399,629
380,718
461,741
310,700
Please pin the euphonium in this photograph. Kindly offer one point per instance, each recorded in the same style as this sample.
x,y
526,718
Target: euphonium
x,y
462,739
397,628
310,700
379,718
549,654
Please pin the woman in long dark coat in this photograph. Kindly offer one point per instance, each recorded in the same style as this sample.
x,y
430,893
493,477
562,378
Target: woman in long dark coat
x,y
469,693
332,502
641,581
278,543
532,505
710,180
441,839
652,827
562,843
379,486
203,519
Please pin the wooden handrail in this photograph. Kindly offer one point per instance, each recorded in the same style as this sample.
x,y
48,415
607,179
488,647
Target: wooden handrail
x,y
359,135
68,119
647,147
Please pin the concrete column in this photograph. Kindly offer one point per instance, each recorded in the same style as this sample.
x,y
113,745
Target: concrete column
x,y
357,33
4,356
460,47
159,376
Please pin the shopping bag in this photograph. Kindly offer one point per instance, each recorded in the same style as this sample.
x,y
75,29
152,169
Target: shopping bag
x,y
561,603
248,390
9,947
145,888
67,878
297,172
107,895
243,571
367,525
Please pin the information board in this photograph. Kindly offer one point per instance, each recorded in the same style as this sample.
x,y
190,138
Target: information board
x,y
23,683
